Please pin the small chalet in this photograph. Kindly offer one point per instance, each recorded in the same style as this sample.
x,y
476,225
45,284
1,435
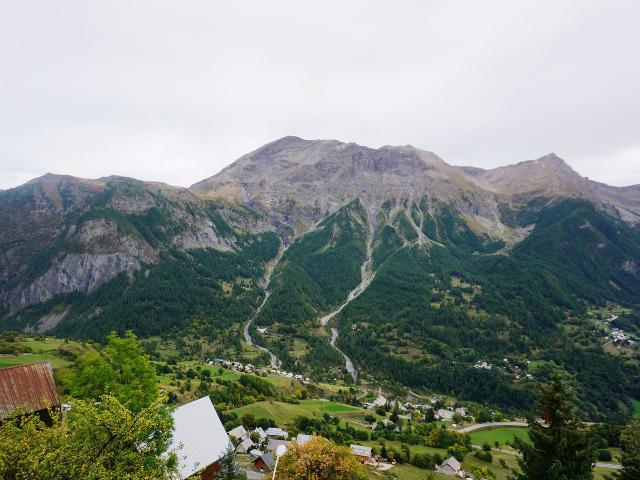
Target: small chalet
x,y
450,466
362,452
28,389
265,463
199,439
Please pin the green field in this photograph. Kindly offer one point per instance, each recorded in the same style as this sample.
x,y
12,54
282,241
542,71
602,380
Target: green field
x,y
503,435
10,361
43,348
284,413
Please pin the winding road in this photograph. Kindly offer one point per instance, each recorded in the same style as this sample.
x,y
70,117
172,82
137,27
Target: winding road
x,y
367,274
270,267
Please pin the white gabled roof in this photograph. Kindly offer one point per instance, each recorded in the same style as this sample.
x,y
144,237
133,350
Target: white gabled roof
x,y
199,438
239,432
361,450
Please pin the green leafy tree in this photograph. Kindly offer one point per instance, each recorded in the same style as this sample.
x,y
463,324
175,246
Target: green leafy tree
x,y
560,450
121,369
457,451
483,473
97,441
229,468
630,440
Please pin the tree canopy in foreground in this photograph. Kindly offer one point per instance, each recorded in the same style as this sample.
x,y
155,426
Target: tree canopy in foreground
x,y
561,448
319,459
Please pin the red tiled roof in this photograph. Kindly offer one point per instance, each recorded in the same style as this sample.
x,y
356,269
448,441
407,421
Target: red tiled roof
x,y
28,387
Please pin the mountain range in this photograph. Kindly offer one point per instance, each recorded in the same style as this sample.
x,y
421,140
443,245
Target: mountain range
x,y
420,270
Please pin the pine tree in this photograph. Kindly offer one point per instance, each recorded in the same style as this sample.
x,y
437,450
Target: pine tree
x,y
561,449
630,439
394,414
229,468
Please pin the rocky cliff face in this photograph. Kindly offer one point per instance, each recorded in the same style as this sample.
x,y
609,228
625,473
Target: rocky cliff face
x,y
61,234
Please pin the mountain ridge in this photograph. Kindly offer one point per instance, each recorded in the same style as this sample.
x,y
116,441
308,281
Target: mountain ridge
x,y
452,266
266,176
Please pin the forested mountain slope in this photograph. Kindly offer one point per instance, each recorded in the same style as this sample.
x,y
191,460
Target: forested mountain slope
x,y
514,268
84,257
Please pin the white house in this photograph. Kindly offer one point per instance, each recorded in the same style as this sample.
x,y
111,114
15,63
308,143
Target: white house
x,y
199,439
450,466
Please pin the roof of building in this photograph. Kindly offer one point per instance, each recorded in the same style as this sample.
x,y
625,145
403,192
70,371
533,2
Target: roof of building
x,y
303,438
276,432
361,450
28,388
256,452
238,432
269,460
451,462
245,446
200,433
260,432
273,444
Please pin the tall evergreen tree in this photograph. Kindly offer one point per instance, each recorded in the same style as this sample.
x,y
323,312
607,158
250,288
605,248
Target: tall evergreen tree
x,y
630,439
229,468
561,448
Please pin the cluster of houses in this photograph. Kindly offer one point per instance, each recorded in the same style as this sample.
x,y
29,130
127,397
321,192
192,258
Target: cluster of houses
x,y
249,368
262,445
619,337
483,366
439,414
199,437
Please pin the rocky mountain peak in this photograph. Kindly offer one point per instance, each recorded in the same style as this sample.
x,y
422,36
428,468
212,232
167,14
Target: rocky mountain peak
x,y
293,179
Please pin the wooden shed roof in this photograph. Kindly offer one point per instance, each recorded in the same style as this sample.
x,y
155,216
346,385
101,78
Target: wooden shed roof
x,y
27,387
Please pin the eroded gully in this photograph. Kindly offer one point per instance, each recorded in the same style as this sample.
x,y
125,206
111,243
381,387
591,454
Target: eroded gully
x,y
265,284
367,274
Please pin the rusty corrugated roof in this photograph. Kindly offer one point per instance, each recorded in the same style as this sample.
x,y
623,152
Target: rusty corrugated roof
x,y
27,387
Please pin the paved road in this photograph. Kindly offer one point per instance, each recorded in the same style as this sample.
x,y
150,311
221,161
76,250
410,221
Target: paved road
x,y
481,426
612,466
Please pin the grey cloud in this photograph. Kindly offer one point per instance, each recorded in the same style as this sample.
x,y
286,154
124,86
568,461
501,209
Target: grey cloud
x,y
174,91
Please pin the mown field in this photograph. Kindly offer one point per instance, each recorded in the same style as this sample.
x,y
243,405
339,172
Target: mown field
x,y
285,413
502,435
59,352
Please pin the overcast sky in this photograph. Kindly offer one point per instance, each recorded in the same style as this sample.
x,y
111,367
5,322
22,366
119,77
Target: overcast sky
x,y
176,90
